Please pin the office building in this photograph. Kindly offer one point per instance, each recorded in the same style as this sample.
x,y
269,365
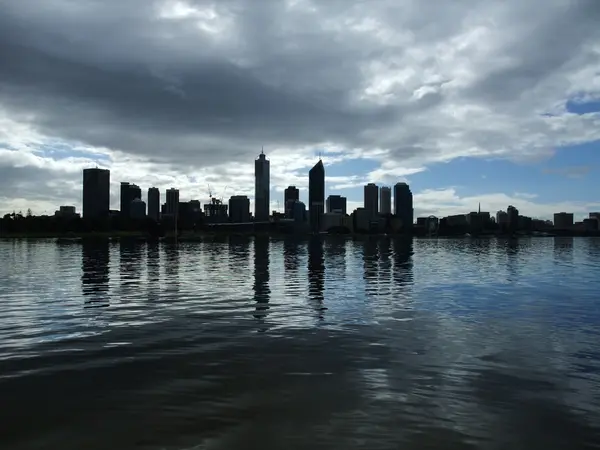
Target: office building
x,y
513,218
137,209
172,202
371,199
336,204
385,200
563,221
316,195
96,193
261,188
299,211
129,192
290,196
239,209
403,205
154,203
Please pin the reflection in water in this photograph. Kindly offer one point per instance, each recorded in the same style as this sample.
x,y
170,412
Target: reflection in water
x,y
291,264
171,252
512,249
371,265
261,288
316,273
239,251
563,249
403,264
130,267
153,269
95,260
485,364
335,255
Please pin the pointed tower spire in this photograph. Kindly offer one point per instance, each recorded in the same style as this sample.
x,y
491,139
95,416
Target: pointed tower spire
x,y
262,150
479,210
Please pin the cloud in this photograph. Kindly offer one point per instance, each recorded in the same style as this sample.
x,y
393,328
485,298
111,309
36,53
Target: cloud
x,y
185,93
570,172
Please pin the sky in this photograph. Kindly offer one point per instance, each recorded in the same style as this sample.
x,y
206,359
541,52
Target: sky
x,y
470,102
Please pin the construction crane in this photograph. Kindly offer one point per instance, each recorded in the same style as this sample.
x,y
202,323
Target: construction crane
x,y
210,194
223,195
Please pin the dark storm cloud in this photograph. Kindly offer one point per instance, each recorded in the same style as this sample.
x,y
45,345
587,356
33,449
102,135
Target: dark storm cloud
x,y
115,74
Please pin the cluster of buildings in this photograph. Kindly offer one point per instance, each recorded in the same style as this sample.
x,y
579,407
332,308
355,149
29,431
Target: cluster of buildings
x,y
385,208
320,215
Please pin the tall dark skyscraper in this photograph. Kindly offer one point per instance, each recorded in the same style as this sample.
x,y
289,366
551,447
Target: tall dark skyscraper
x,y
153,203
129,192
290,196
96,193
172,203
403,204
336,203
385,200
262,188
316,195
372,199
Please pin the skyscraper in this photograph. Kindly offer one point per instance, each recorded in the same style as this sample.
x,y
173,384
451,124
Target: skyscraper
x,y
261,188
336,203
96,193
290,196
153,203
385,200
172,202
316,195
403,205
129,192
372,199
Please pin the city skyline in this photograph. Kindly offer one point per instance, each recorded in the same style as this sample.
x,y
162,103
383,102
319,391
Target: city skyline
x,y
469,113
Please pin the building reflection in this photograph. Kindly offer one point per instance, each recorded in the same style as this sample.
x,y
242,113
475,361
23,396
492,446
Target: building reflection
x,y
335,255
385,264
563,249
239,252
95,268
291,264
171,257
370,265
130,256
316,273
402,273
153,269
512,262
262,292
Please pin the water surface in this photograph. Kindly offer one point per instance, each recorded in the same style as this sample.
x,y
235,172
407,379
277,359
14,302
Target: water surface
x,y
318,344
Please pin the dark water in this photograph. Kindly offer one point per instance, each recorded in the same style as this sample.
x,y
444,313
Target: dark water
x,y
335,344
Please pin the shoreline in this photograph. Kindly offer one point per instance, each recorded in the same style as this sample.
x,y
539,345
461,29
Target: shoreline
x,y
197,236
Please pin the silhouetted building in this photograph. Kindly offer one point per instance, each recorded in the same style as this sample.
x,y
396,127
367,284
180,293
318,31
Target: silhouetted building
x,y
385,200
215,211
96,193
299,211
336,204
239,209
371,199
137,209
513,218
172,202
316,195
502,220
261,188
563,221
154,203
66,212
129,192
290,195
189,213
403,205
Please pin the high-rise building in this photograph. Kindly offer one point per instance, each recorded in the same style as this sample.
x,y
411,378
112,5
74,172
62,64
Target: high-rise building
x,y
371,199
172,202
563,221
137,209
261,188
153,203
316,195
513,218
129,192
403,205
385,200
239,209
290,196
96,193
336,203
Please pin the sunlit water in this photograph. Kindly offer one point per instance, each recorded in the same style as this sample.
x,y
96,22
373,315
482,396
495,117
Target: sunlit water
x,y
317,344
